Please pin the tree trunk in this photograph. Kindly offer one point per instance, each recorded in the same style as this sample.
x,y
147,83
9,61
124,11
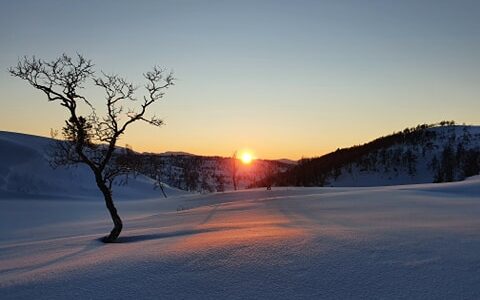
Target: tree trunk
x,y
117,222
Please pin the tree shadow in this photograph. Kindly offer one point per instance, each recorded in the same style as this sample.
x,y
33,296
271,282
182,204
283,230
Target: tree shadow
x,y
164,235
85,249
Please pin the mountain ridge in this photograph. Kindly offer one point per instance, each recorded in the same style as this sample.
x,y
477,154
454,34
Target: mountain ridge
x,y
423,154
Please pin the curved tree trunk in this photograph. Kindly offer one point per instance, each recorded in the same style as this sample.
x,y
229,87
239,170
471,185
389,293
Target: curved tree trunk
x,y
117,222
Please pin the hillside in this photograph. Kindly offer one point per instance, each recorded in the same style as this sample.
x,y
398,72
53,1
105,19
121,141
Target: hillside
x,y
423,154
208,173
25,172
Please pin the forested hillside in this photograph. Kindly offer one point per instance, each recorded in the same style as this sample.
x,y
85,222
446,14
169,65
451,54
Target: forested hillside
x,y
426,153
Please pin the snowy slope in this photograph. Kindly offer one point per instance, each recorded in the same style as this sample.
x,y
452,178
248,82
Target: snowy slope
x,y
25,172
396,242
424,165
415,155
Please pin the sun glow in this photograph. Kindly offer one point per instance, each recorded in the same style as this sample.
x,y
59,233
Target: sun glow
x,y
246,158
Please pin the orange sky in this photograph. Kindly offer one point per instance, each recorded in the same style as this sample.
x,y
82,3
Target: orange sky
x,y
293,81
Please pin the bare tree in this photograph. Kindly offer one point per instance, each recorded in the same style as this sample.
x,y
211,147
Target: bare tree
x,y
234,170
89,138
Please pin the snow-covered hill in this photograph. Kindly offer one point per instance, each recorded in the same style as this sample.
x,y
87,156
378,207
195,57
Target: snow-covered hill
x,y
25,172
210,173
423,154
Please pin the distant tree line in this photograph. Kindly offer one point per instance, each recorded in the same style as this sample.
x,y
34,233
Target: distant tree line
x,y
204,174
448,155
456,161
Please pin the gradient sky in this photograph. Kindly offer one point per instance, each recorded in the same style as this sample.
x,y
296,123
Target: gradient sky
x,y
285,79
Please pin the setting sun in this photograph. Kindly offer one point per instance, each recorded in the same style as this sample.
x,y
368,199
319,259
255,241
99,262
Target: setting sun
x,y
246,158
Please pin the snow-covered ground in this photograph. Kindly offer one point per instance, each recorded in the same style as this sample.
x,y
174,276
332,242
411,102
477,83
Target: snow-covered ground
x,y
387,242
409,241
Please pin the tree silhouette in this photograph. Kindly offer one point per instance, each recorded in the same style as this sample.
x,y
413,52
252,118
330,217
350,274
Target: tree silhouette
x,y
89,138
234,170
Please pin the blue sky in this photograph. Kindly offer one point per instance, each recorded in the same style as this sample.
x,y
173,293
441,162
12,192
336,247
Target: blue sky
x,y
282,78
